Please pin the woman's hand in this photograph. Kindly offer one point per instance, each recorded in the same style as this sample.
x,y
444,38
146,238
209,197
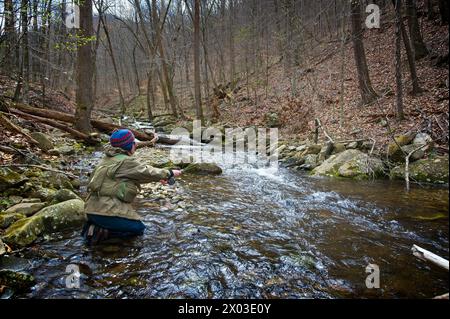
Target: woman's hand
x,y
177,173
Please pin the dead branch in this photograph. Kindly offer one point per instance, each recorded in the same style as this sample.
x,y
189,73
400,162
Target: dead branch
x,y
407,164
426,255
12,127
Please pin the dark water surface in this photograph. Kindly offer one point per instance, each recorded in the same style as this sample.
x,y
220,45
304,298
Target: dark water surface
x,y
257,233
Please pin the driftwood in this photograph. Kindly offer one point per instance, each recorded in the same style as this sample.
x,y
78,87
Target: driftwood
x,y
44,168
426,255
63,127
101,126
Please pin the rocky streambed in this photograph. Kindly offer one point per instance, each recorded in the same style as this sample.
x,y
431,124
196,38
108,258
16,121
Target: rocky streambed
x,y
225,230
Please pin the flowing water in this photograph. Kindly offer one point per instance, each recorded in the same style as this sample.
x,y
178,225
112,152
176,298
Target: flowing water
x,y
261,233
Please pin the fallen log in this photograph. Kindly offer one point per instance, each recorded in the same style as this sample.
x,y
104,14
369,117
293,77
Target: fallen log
x,y
12,127
426,255
101,126
63,127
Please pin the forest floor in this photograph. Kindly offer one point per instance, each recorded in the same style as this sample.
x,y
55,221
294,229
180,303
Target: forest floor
x,y
318,93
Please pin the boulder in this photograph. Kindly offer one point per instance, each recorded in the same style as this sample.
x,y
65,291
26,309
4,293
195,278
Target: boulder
x,y
353,145
400,154
401,140
26,209
10,178
310,162
2,248
433,170
338,148
49,220
64,195
7,220
422,139
43,193
295,160
203,169
17,280
66,150
44,141
312,149
325,151
351,164
272,119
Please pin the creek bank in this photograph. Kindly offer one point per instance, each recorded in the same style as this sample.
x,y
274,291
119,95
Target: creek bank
x,y
359,159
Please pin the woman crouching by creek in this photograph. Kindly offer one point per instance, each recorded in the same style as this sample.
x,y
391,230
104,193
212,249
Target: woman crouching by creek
x,y
113,187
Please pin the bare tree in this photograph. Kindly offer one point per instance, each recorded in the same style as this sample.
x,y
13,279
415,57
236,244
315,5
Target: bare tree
x,y
368,94
398,61
85,66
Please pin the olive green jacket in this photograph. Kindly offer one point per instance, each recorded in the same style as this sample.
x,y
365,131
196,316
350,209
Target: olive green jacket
x,y
115,183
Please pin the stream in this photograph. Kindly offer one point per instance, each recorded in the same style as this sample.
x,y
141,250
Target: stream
x,y
261,233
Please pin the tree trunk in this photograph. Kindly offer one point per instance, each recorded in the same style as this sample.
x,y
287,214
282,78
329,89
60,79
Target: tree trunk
x,y
150,96
113,59
231,39
25,68
197,87
443,10
419,48
398,61
84,94
411,63
368,94
10,36
167,79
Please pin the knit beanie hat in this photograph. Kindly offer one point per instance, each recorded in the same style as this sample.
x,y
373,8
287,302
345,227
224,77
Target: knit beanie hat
x,y
123,139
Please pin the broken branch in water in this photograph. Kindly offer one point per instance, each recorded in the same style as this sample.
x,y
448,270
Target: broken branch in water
x,y
426,255
45,168
407,165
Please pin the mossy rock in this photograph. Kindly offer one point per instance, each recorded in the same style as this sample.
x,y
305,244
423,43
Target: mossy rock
x,y
350,164
431,170
17,280
49,220
43,193
401,140
63,195
203,169
312,149
10,178
338,148
44,141
26,209
7,220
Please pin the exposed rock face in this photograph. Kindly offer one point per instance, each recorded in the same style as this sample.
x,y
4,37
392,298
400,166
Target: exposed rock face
x,y
47,221
203,169
425,170
44,141
351,164
9,178
26,209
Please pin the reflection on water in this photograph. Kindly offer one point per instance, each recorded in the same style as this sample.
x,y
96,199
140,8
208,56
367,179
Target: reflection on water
x,y
262,234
